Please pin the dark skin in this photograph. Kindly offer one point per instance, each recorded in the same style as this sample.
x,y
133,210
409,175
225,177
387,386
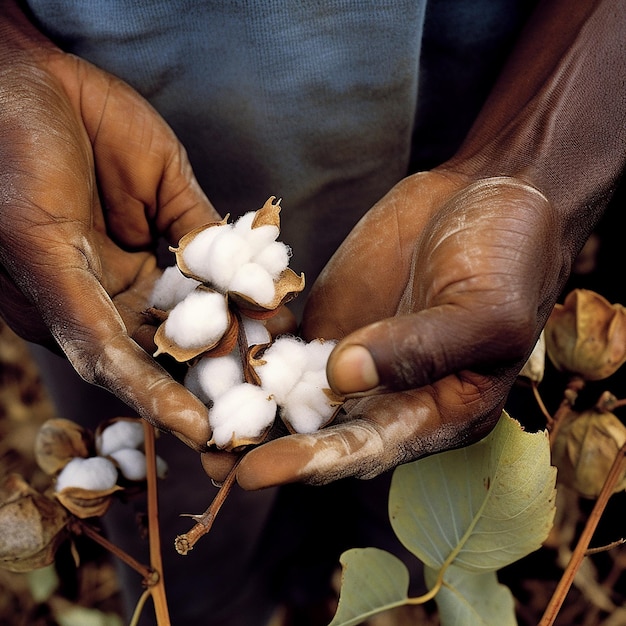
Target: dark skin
x,y
469,258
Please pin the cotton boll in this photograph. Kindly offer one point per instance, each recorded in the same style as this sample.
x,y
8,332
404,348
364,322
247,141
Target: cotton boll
x,y
95,473
170,288
210,377
274,258
227,253
318,352
197,256
131,463
255,282
120,434
307,408
201,319
256,331
243,412
284,365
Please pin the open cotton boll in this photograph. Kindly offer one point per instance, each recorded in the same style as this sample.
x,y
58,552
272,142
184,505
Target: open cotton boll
x,y
120,434
318,352
243,412
131,463
255,282
201,319
256,331
210,377
284,365
171,288
227,253
307,408
197,255
274,258
95,473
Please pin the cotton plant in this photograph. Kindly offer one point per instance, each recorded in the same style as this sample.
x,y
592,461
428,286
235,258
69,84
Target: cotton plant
x,y
89,468
229,278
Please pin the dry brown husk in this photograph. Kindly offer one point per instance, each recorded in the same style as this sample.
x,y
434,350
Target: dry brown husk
x,y
85,503
58,441
586,335
33,526
584,450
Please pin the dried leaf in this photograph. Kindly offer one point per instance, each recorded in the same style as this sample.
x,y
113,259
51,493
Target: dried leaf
x,y
85,503
33,526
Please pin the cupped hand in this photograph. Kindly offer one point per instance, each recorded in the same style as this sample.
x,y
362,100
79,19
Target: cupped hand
x,y
438,296
92,178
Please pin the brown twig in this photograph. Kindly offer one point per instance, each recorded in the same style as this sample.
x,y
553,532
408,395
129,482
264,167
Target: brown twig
x,y
616,471
185,543
157,589
574,387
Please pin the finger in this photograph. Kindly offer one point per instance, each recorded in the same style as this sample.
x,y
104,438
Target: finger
x,y
411,351
378,434
218,464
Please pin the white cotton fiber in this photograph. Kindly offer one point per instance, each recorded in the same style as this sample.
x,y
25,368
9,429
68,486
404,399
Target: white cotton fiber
x,y
196,254
253,281
210,377
201,319
244,411
285,361
228,252
170,288
120,434
274,258
256,331
131,463
318,352
95,473
306,408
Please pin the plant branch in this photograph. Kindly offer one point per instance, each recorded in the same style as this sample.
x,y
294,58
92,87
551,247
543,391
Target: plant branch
x,y
185,543
157,589
616,471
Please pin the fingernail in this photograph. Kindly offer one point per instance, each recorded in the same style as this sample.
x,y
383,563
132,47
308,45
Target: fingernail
x,y
353,370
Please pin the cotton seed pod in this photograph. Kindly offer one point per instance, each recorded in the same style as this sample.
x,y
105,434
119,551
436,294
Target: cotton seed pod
x,y
220,343
58,441
584,450
586,335
117,433
33,526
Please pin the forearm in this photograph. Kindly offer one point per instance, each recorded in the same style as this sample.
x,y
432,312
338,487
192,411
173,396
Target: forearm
x,y
557,116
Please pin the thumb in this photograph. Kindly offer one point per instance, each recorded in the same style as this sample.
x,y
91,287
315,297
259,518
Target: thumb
x,y
410,351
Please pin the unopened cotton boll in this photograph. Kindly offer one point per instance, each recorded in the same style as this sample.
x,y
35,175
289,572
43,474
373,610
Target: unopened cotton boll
x,y
274,258
284,363
253,281
210,377
171,288
228,252
201,319
131,463
197,254
120,434
244,411
256,331
95,473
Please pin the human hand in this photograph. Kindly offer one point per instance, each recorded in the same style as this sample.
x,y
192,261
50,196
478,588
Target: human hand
x,y
439,294
92,177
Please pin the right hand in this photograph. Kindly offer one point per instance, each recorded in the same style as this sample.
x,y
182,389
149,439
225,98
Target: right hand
x,y
92,177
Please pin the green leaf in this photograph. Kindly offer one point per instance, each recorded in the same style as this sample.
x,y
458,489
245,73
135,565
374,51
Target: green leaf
x,y
373,580
480,507
469,599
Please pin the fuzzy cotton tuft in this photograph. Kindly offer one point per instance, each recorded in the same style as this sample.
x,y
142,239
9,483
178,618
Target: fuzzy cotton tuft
x,y
210,377
95,473
171,288
120,434
131,463
243,412
253,281
256,331
195,253
201,319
